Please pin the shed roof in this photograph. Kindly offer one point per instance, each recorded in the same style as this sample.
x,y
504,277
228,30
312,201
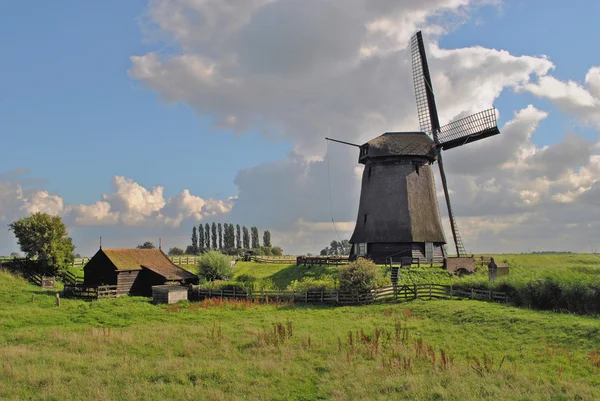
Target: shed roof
x,y
152,259
401,144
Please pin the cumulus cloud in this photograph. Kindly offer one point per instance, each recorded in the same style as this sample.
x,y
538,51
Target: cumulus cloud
x,y
131,206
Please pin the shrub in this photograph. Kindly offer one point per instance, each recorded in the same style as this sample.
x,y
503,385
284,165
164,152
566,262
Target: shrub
x,y
213,265
276,251
358,276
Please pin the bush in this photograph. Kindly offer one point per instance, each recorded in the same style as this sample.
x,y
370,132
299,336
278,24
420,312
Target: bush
x,y
276,251
213,265
359,276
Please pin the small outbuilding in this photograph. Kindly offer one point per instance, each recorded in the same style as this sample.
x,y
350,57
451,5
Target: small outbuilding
x,y
134,271
169,294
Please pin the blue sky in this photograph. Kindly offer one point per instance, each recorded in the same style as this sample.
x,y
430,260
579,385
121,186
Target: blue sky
x,y
74,118
71,115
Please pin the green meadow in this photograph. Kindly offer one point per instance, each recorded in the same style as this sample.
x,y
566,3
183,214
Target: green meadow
x,y
129,349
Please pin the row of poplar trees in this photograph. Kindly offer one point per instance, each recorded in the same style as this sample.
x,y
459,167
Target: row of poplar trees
x,y
226,237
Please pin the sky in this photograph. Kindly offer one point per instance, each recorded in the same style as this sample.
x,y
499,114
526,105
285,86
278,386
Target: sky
x,y
135,120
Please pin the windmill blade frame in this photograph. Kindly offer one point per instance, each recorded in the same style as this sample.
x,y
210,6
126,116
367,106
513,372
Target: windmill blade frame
x,y
468,129
429,121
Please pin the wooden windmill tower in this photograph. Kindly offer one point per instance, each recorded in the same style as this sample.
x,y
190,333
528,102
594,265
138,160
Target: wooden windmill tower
x,y
398,214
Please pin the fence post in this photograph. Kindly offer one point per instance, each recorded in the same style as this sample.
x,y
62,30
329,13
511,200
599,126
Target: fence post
x,y
321,296
337,296
416,293
430,285
233,292
57,299
490,295
451,291
306,297
472,293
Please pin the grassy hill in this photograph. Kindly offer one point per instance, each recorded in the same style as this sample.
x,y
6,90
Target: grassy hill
x,y
127,348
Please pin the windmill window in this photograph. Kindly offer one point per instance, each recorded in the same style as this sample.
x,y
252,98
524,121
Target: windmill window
x,y
369,171
362,249
365,222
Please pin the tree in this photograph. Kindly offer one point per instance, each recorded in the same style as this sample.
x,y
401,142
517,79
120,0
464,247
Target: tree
x,y
207,234
213,265
337,248
45,238
267,238
214,235
246,238
146,245
276,251
176,251
194,241
238,237
359,276
15,255
220,229
200,238
229,237
188,250
254,237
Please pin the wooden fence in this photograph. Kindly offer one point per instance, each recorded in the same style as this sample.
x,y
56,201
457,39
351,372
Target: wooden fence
x,y
335,297
321,260
283,260
90,292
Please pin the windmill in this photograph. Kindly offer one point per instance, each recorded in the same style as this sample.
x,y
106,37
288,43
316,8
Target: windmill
x,y
398,214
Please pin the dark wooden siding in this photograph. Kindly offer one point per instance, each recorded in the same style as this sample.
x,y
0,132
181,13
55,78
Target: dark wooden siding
x,y
418,253
125,281
144,282
99,271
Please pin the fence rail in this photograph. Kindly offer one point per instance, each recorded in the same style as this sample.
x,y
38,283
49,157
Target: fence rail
x,y
385,294
90,292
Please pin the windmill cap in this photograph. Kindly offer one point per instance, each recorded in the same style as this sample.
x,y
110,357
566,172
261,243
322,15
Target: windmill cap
x,y
400,144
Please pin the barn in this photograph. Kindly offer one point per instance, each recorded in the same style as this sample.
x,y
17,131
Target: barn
x,y
134,271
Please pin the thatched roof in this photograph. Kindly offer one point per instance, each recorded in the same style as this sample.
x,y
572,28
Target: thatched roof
x,y
151,259
400,204
414,144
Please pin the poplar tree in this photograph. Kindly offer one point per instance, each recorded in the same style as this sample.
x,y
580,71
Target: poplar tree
x,y
194,248
254,237
220,236
267,238
238,238
246,238
207,236
214,235
201,238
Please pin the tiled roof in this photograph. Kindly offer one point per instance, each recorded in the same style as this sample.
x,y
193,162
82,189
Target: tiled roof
x,y
152,259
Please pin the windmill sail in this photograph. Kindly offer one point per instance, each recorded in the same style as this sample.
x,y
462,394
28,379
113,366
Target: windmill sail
x,y
469,129
429,121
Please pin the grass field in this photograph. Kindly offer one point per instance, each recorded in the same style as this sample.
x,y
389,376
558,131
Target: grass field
x,y
127,348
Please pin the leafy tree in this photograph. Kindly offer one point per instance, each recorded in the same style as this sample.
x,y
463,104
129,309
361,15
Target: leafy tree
x,y
358,276
220,228
267,238
200,238
214,265
15,255
276,251
254,237
238,237
146,245
44,237
337,248
176,251
189,250
246,238
195,247
77,256
229,237
214,235
207,234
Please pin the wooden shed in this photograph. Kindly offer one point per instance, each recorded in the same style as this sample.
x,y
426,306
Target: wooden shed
x,y
169,294
134,271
